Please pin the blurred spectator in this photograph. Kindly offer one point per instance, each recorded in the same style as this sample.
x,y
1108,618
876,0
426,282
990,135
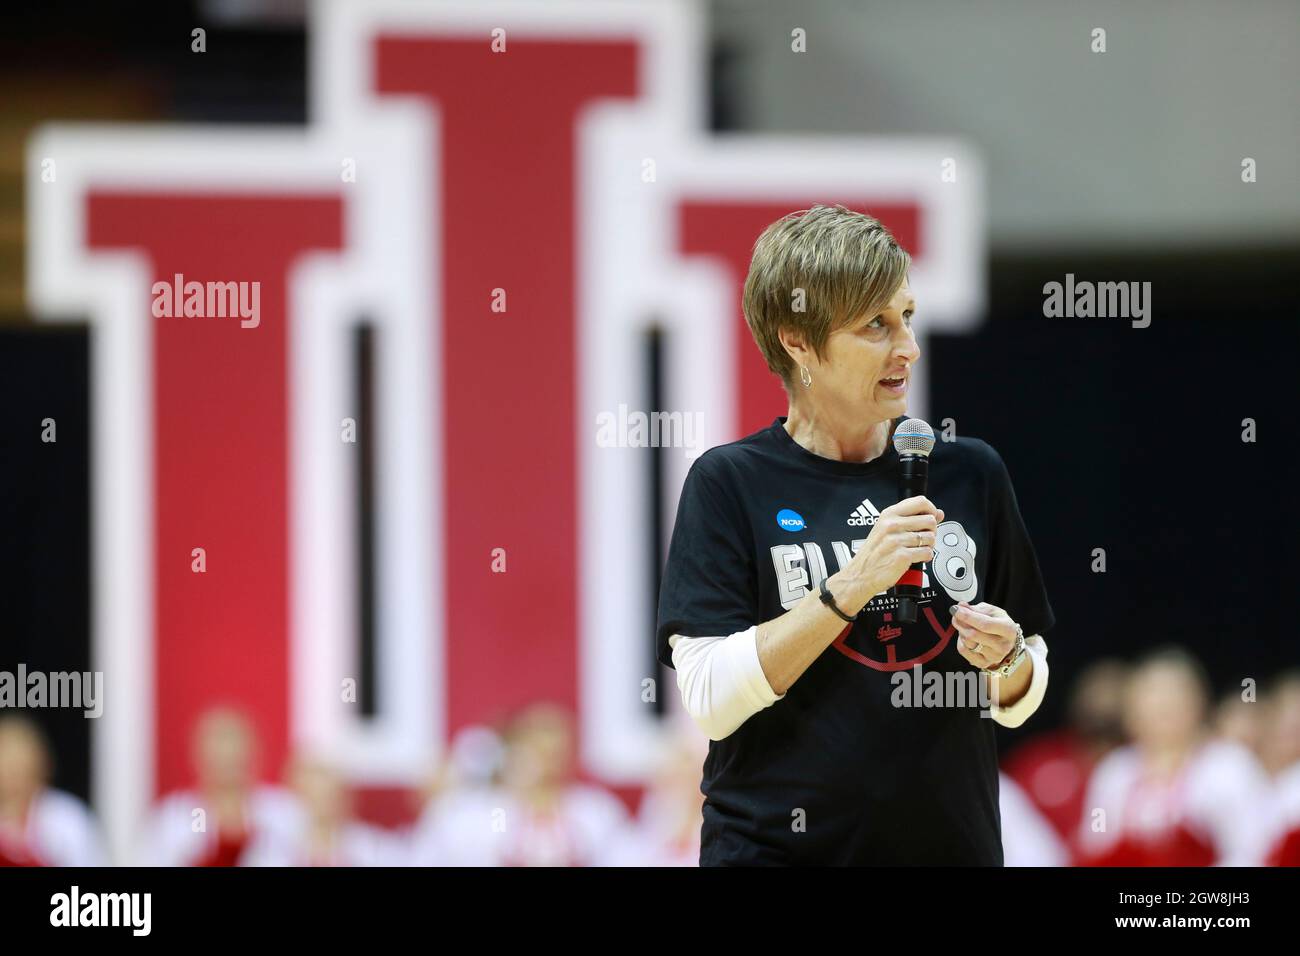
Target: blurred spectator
x,y
1053,768
466,778
1240,721
476,758
1028,839
1176,796
39,825
1281,750
322,831
1280,740
538,815
667,828
214,825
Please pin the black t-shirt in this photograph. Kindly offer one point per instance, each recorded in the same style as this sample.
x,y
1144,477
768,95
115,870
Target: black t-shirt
x,y
835,772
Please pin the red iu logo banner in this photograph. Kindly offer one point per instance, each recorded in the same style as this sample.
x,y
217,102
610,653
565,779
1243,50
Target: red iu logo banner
x,y
508,194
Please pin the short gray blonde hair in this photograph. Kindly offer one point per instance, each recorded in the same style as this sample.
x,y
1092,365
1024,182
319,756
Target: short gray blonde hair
x,y
845,263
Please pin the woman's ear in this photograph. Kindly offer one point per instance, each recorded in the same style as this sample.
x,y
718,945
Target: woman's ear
x,y
795,347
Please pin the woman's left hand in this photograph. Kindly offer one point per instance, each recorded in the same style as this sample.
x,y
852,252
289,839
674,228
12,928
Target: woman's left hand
x,y
985,633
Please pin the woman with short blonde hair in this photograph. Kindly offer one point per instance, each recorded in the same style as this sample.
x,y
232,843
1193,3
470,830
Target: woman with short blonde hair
x,y
836,733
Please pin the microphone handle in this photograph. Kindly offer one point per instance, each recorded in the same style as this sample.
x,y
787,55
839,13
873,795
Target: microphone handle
x,y
913,477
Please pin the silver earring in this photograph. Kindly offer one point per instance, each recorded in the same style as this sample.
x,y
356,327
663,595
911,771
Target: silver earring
x,y
805,377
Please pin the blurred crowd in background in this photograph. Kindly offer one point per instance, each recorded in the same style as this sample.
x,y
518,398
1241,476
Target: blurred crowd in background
x,y
1149,771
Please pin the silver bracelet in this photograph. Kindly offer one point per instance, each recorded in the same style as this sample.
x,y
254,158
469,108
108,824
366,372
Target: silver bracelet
x,y
1006,666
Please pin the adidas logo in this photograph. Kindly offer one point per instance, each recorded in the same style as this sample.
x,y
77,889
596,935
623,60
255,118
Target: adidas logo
x,y
864,514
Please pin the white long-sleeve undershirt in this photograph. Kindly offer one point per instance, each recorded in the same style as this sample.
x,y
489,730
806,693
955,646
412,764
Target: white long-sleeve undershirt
x,y
722,682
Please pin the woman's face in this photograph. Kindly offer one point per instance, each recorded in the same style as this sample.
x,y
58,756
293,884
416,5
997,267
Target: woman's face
x,y
1282,729
224,752
858,358
22,764
321,790
540,752
1164,707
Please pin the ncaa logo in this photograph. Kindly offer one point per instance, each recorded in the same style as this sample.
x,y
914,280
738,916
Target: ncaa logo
x,y
791,521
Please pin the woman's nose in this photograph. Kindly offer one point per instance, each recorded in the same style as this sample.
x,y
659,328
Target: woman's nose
x,y
910,348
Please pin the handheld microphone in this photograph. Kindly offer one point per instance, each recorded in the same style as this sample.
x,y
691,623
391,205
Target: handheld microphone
x,y
913,440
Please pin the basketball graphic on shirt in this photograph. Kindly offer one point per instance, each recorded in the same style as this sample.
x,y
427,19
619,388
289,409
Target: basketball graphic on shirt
x,y
879,641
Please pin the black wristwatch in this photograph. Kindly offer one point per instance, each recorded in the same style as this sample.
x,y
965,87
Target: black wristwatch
x,y
830,603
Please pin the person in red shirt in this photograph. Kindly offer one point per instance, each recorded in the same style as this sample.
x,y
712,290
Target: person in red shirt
x,y
39,825
325,831
1053,768
538,814
1241,721
214,824
666,831
1177,796
1280,748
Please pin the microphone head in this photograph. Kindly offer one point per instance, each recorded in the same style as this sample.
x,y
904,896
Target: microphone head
x,y
913,437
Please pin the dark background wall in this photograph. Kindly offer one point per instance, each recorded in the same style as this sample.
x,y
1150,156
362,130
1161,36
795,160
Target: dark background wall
x,y
1130,440
45,524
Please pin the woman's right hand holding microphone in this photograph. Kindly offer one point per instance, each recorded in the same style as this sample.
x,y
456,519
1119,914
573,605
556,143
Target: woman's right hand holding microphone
x,y
903,535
